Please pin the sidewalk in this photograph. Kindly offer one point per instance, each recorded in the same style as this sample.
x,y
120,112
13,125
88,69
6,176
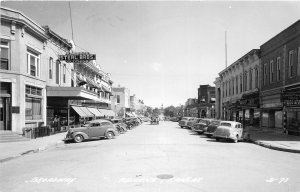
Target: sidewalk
x,y
276,141
13,150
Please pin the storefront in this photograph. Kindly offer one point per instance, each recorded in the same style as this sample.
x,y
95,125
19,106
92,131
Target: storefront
x,y
291,111
5,106
251,111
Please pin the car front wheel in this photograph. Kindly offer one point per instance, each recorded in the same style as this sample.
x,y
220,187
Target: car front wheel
x,y
78,138
110,135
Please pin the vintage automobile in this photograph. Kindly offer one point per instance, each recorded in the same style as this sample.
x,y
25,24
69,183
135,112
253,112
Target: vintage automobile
x,y
229,130
92,130
192,122
121,127
211,128
154,120
201,126
183,122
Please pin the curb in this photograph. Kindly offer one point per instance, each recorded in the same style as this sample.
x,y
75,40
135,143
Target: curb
x,y
39,149
270,146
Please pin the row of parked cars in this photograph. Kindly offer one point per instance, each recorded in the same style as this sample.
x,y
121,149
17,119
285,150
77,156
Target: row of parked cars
x,y
229,130
102,128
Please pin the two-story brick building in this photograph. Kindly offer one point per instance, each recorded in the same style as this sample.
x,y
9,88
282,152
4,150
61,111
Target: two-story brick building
x,y
280,81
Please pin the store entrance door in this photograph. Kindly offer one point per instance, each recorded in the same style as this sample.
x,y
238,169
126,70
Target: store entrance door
x,y
5,113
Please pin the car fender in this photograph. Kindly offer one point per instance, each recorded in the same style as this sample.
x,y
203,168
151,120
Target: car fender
x,y
85,136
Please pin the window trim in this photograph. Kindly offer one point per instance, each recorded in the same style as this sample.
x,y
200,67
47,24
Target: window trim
x,y
271,65
50,68
37,61
8,51
278,69
290,63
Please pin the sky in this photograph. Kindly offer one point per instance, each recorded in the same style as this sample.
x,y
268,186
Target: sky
x,y
163,50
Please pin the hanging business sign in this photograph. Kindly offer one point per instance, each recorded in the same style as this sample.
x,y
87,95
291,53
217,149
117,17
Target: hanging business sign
x,y
77,57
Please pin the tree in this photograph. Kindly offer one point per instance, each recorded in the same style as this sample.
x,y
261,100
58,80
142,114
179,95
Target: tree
x,y
170,111
156,112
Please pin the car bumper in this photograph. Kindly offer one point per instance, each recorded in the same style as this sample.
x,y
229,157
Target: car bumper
x,y
207,133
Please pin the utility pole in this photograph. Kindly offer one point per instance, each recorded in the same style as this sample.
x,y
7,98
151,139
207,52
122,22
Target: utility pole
x,y
225,49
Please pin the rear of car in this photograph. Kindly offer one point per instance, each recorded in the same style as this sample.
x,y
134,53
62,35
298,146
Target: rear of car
x,y
227,130
183,122
201,126
211,128
192,122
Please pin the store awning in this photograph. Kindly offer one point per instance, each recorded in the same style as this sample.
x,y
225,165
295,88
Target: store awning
x,y
87,112
79,111
107,112
95,112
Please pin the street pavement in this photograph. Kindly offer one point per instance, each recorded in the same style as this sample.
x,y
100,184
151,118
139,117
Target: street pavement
x,y
160,157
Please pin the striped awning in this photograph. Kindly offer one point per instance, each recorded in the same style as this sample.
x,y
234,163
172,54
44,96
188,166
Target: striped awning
x,y
79,111
95,112
87,112
107,112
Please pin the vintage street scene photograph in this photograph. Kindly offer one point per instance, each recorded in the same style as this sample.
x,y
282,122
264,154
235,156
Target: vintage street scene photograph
x,y
150,96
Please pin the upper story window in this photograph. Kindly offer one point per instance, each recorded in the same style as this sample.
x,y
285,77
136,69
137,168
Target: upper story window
x,y
237,85
33,63
256,78
271,72
278,69
241,84
291,66
64,73
50,68
5,57
250,79
246,82
229,87
223,89
265,74
118,99
233,86
226,88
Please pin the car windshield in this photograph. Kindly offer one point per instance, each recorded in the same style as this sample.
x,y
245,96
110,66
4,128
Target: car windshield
x,y
215,122
203,121
226,124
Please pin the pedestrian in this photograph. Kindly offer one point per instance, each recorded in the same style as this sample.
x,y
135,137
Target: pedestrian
x,y
55,122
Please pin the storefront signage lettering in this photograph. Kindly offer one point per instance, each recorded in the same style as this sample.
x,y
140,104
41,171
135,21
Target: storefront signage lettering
x,y
291,99
77,57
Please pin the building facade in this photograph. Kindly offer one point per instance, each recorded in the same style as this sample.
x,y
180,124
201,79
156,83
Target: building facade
x,y
206,101
280,81
121,101
36,84
237,89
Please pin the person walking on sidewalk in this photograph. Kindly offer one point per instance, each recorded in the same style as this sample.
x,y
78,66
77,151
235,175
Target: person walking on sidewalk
x,y
56,123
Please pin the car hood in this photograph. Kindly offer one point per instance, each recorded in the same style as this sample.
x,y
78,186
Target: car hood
x,y
212,128
76,129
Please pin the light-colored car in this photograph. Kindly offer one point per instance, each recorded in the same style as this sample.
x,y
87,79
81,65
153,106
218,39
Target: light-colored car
x,y
183,122
229,130
92,130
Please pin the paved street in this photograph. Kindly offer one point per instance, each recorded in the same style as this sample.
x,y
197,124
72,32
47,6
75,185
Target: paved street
x,y
137,160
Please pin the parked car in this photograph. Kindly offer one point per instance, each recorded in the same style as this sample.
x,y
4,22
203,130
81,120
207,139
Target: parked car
x,y
92,130
191,122
121,127
183,122
201,126
211,128
229,130
146,119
